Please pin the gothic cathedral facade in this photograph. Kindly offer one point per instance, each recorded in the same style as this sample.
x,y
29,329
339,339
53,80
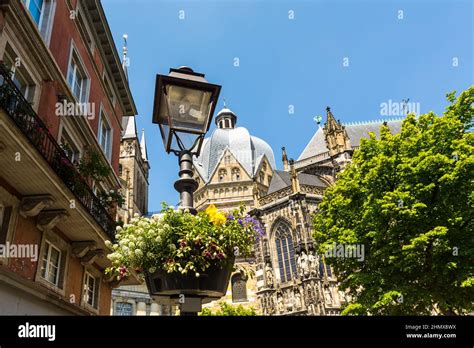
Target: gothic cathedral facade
x,y
285,275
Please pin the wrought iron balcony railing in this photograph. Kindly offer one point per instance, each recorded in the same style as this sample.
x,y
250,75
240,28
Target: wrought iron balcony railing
x,y
21,112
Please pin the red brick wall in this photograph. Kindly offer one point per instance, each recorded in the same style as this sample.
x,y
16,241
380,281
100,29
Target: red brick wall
x,y
74,278
25,233
47,107
63,34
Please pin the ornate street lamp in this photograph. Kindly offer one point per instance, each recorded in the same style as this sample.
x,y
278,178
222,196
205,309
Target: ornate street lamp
x,y
184,106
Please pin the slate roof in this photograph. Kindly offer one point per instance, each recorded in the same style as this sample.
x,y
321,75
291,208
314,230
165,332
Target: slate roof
x,y
282,179
317,144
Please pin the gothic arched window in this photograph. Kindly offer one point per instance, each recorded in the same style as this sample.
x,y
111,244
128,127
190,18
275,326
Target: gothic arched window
x,y
285,252
324,269
235,174
321,267
239,288
222,174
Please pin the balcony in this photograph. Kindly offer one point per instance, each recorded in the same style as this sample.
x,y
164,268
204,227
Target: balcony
x,y
37,134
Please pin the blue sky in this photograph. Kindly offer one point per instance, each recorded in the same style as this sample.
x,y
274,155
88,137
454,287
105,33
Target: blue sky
x,y
420,53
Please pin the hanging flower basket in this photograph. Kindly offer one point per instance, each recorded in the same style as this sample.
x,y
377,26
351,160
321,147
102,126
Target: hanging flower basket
x,y
211,283
179,253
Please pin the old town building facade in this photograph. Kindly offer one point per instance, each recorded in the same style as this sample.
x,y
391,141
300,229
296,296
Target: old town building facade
x,y
63,94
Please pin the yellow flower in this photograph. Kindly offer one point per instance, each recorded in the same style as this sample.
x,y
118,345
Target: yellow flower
x,y
211,210
216,217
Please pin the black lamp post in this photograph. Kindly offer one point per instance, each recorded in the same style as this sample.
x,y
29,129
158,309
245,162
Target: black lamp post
x,y
184,106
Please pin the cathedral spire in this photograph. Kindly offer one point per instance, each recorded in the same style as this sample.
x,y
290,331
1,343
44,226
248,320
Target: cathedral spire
x,y
143,147
295,182
337,140
129,127
124,55
284,159
331,123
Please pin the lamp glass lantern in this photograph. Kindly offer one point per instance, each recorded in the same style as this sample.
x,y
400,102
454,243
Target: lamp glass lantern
x,y
184,105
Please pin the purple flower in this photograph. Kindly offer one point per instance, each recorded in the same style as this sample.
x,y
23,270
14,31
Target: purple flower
x,y
250,221
230,217
240,222
257,226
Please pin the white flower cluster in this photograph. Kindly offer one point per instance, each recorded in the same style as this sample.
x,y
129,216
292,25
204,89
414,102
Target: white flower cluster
x,y
132,240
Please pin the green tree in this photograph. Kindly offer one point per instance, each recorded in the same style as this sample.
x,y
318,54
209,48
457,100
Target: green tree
x,y
408,199
228,310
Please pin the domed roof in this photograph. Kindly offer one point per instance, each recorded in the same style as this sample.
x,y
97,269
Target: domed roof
x,y
247,149
225,110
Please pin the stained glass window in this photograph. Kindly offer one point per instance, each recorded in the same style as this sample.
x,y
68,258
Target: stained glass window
x,y
285,252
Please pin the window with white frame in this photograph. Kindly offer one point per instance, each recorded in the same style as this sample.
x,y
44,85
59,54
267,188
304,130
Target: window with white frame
x,y
69,146
19,75
47,18
51,263
105,135
77,78
90,290
35,7
42,12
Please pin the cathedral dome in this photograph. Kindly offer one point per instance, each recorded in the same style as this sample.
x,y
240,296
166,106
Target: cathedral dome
x,y
247,149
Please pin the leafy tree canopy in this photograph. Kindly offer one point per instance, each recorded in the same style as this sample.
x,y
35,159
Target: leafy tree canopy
x,y
408,199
